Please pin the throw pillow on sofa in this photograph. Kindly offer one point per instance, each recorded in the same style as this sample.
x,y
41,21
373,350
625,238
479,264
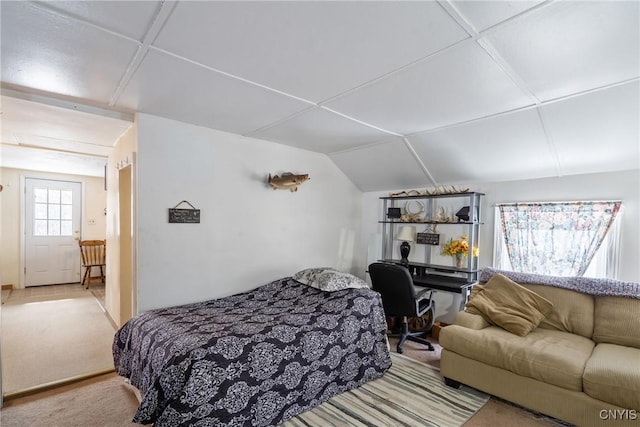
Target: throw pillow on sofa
x,y
504,303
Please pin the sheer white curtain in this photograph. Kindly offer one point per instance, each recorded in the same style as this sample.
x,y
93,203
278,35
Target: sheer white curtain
x,y
565,239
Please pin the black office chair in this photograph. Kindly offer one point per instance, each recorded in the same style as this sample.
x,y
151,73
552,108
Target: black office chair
x,y
399,298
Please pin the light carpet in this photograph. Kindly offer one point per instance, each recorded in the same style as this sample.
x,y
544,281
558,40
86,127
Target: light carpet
x,y
411,393
46,340
103,401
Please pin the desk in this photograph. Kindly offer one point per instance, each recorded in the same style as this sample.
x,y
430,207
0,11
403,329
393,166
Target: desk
x,y
446,284
438,282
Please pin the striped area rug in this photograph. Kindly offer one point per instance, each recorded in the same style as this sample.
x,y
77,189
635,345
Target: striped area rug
x,y
411,393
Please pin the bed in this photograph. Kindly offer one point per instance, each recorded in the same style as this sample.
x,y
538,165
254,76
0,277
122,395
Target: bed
x,y
257,358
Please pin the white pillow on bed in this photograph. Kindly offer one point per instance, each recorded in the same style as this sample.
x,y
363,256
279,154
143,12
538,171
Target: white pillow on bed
x,y
329,279
308,275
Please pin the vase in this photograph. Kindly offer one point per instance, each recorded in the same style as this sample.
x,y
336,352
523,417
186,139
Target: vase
x,y
405,248
459,260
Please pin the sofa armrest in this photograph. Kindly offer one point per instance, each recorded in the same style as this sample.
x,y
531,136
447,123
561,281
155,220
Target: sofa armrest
x,y
471,321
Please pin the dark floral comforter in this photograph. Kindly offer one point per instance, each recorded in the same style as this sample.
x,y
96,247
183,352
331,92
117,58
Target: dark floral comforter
x,y
256,358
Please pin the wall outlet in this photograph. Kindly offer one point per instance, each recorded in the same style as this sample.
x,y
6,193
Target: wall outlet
x,y
91,221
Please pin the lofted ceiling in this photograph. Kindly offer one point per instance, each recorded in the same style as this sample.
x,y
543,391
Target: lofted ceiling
x,y
398,94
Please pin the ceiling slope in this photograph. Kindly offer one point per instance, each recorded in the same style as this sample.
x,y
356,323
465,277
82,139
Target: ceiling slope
x,y
398,94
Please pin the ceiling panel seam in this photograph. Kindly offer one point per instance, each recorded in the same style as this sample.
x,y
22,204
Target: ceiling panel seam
x,y
360,121
495,56
462,23
517,17
299,113
504,113
449,126
244,80
360,147
70,105
165,12
550,141
233,76
74,141
392,73
322,104
487,47
590,91
477,119
280,121
424,168
67,15
526,107
162,15
55,150
453,12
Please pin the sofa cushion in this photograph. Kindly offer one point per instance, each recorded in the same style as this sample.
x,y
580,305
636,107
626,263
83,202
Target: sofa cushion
x,y
502,302
612,375
553,357
617,321
572,311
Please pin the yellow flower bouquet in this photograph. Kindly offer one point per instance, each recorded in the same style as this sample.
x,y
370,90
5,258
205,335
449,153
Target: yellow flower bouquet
x,y
458,247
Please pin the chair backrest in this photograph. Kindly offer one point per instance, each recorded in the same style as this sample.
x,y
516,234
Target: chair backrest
x,y
93,252
395,285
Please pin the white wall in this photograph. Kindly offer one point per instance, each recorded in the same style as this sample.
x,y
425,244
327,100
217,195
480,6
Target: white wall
x,y
623,186
249,234
93,205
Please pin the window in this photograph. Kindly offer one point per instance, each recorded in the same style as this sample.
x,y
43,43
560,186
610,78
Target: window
x,y
562,238
52,212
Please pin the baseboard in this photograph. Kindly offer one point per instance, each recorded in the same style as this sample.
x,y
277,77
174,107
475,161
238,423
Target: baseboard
x,y
7,287
54,384
110,319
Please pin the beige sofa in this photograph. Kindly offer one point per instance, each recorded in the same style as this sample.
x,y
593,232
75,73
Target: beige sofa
x,y
581,364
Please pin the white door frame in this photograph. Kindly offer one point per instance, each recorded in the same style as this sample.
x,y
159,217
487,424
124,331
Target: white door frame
x,y
23,212
123,163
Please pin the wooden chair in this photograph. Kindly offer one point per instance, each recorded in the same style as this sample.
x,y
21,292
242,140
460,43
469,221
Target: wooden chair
x,y
93,255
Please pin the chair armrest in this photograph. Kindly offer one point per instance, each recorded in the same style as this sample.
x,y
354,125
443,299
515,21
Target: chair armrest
x,y
471,321
421,295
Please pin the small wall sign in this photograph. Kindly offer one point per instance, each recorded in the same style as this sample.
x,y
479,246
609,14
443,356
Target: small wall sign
x,y
428,238
184,216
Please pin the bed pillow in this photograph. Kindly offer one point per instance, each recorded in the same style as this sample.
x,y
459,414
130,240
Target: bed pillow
x,y
331,281
308,275
504,303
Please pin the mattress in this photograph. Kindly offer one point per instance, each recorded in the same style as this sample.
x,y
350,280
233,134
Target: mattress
x,y
257,358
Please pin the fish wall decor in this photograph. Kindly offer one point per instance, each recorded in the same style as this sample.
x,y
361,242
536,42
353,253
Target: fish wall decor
x,y
287,181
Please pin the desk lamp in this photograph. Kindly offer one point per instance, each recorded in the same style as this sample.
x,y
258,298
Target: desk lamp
x,y
407,234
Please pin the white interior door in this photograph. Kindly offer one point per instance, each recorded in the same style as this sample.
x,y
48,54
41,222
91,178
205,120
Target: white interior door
x,y
52,230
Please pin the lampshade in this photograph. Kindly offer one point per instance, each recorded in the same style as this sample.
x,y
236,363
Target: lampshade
x,y
407,233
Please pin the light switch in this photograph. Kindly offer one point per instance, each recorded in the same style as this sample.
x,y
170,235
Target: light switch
x,y
91,221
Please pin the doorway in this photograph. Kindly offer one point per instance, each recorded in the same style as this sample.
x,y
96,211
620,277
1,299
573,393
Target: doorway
x,y
52,332
52,229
